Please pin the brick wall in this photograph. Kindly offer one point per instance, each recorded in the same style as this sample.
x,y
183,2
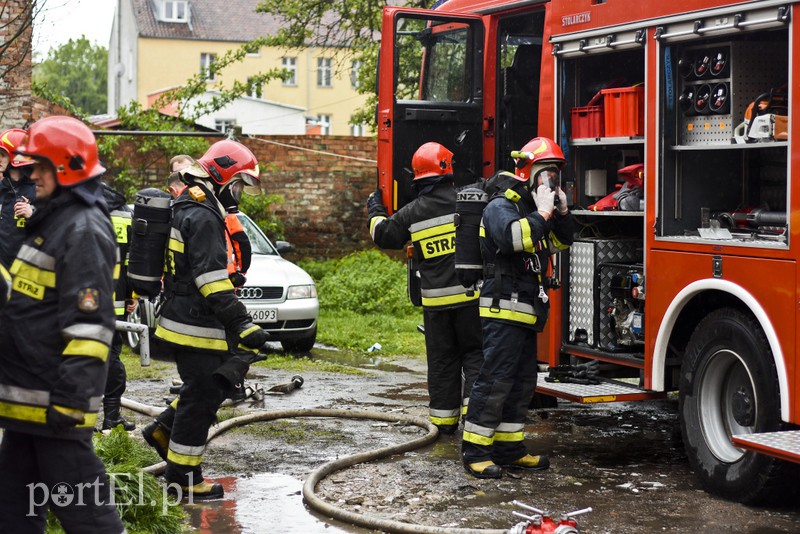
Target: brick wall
x,y
15,63
325,210
324,213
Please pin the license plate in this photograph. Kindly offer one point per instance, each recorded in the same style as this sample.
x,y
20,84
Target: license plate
x,y
269,315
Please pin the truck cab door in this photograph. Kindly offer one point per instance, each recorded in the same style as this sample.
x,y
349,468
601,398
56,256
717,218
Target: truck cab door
x,y
430,88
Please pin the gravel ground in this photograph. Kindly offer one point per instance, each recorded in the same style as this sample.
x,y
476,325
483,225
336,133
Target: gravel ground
x,y
625,460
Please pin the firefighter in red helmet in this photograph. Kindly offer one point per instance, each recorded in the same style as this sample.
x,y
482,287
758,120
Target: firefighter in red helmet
x,y
57,328
523,225
452,325
209,331
16,192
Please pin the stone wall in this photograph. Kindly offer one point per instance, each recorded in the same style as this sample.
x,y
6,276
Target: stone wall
x,y
15,63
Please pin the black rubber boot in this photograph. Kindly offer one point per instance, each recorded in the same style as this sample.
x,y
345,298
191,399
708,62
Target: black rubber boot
x,y
487,469
204,491
157,437
112,417
533,463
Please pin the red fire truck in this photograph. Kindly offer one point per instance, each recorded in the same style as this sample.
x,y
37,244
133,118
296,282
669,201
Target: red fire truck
x,y
680,108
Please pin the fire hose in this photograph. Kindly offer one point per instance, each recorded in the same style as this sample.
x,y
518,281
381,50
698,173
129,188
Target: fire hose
x,y
316,476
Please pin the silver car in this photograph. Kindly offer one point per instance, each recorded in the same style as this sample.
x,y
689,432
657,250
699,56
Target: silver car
x,y
280,296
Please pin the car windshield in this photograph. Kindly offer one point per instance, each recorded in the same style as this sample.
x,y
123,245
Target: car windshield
x,y
259,242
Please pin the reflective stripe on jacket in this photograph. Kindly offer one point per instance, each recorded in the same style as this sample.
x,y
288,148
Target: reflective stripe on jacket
x,y
428,222
201,310
58,325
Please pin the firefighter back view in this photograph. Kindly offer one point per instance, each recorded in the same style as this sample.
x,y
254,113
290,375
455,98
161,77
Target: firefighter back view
x,y
208,329
520,230
452,324
57,328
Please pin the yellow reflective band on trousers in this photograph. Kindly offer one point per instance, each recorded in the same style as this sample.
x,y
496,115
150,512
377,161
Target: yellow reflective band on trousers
x,y
191,336
506,310
38,414
216,287
86,347
509,436
477,439
444,417
185,454
445,296
31,273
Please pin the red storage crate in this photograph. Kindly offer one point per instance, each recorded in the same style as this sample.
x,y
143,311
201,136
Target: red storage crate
x,y
587,121
624,111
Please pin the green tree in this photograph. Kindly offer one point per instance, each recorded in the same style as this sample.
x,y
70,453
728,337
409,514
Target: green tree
x,y
351,26
77,70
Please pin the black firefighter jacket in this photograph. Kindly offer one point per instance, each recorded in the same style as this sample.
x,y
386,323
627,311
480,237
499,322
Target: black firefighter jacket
x,y
428,221
57,326
516,244
201,311
121,217
12,229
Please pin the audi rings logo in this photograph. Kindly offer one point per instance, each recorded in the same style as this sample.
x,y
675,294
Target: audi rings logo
x,y
249,292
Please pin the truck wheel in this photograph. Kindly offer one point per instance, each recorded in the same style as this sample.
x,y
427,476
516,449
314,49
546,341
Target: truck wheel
x,y
303,344
729,386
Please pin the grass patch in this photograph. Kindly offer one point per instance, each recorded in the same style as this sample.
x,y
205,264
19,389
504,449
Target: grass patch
x,y
294,432
398,335
158,368
292,363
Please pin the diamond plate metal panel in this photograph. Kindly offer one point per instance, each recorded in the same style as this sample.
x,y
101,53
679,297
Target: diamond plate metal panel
x,y
586,308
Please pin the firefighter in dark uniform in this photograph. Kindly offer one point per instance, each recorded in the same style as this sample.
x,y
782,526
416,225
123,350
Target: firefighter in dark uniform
x,y
57,328
202,321
16,192
452,324
519,232
124,303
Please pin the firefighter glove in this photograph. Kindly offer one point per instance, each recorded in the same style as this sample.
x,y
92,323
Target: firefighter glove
x,y
237,279
545,199
252,336
60,419
375,204
231,374
561,201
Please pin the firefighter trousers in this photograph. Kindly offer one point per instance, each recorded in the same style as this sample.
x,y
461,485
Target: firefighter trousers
x,y
116,379
191,415
498,405
64,475
453,347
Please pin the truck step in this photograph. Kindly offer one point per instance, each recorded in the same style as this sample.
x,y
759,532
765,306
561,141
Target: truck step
x,y
605,391
784,445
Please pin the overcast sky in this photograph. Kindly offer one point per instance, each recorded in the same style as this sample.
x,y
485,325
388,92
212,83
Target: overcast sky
x,y
62,20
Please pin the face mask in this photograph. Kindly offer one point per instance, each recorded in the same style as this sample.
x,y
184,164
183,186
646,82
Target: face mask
x,y
551,177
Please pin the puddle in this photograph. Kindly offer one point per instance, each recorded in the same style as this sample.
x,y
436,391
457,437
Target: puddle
x,y
355,359
256,505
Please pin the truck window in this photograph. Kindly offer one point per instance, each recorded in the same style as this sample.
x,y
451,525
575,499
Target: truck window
x,y
433,61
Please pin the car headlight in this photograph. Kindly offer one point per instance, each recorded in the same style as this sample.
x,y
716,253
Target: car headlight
x,y
302,292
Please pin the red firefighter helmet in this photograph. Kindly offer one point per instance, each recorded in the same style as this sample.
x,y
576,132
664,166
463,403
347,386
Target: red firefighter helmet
x,y
10,140
432,159
68,144
538,153
225,159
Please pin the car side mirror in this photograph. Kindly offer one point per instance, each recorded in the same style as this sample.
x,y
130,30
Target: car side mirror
x,y
283,247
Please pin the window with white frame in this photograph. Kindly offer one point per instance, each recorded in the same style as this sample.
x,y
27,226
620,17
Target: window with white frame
x,y
290,64
358,130
253,88
206,60
324,122
223,125
175,11
355,67
324,72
